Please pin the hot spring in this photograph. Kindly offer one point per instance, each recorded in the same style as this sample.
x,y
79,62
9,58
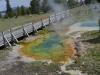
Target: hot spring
x,y
49,47
53,46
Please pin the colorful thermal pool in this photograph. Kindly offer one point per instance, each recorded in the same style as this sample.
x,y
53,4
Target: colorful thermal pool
x,y
49,47
54,47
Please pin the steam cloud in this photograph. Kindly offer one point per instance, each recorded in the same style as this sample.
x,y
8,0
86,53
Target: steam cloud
x,y
55,6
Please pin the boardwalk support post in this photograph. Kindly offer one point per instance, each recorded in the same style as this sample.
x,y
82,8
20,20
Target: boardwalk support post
x,y
50,21
65,14
5,41
43,24
56,19
13,37
61,16
34,29
24,31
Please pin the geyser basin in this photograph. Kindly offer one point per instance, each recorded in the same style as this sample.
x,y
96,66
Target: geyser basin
x,y
49,47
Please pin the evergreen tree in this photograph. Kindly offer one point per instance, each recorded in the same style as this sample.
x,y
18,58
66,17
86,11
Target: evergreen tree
x,y
15,14
0,15
18,10
45,6
28,11
23,10
72,3
93,1
5,16
35,6
99,24
9,11
87,1
98,1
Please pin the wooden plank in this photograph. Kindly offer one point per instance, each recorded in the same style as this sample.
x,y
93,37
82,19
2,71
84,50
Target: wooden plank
x,y
24,30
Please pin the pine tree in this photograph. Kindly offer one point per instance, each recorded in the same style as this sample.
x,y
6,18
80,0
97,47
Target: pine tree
x,y
28,11
87,1
98,1
0,15
35,6
5,16
23,10
72,3
45,6
9,11
18,10
15,14
99,24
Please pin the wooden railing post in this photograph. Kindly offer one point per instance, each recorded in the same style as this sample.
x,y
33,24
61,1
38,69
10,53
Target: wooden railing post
x,y
13,37
43,24
61,16
65,14
24,31
5,40
49,21
34,29
56,19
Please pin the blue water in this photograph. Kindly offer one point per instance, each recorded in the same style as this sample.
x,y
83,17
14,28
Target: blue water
x,y
50,44
90,24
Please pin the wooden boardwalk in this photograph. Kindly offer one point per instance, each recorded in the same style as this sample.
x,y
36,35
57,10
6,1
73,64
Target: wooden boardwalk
x,y
13,34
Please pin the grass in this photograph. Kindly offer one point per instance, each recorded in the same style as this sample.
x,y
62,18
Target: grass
x,y
44,31
34,68
4,50
79,16
6,24
89,63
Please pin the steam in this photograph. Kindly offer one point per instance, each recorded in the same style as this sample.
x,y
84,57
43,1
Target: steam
x,y
61,26
55,6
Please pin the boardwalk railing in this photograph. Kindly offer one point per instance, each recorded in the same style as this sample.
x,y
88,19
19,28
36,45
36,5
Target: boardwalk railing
x,y
13,34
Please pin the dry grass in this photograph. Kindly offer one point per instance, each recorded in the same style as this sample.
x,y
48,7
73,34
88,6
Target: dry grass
x,y
6,24
89,63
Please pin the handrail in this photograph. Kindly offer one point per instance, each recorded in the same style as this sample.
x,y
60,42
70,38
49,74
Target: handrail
x,y
25,29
